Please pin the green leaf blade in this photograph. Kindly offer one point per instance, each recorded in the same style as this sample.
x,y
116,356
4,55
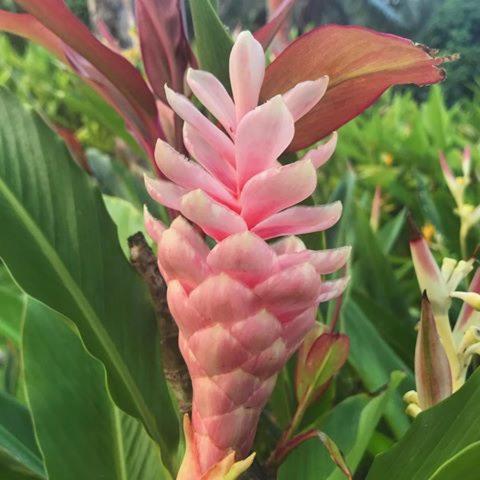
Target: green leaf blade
x,y
80,430
62,248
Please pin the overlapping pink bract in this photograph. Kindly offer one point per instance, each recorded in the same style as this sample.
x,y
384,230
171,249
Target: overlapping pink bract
x,y
244,306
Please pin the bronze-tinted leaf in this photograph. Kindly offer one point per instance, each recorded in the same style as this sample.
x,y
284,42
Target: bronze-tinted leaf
x,y
432,369
361,64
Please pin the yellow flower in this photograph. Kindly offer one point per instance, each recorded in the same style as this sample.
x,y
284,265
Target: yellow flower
x,y
387,158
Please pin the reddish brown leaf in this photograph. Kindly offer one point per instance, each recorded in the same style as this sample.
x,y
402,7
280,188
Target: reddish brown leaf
x,y
57,18
165,49
361,64
142,123
29,27
318,361
281,12
432,369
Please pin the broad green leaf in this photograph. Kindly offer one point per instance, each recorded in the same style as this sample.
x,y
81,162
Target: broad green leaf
x,y
62,248
212,40
397,331
374,361
81,432
19,453
350,425
463,465
12,304
435,437
127,218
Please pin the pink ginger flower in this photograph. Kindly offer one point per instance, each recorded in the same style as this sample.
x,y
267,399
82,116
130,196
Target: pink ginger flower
x,y
244,306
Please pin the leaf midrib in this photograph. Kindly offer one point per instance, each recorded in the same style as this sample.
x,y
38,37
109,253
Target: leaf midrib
x,y
84,305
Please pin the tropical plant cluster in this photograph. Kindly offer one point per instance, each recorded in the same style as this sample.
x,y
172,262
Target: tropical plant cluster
x,y
227,256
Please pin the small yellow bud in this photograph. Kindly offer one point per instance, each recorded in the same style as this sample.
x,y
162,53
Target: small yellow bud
x,y
387,159
428,231
413,410
411,397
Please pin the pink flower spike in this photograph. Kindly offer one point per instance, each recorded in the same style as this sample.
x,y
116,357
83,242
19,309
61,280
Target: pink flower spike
x,y
304,96
190,114
154,227
320,155
244,306
210,91
247,69
262,136
214,219
299,220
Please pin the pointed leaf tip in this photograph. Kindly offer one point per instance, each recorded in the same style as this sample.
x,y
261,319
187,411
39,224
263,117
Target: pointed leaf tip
x,y
432,369
413,230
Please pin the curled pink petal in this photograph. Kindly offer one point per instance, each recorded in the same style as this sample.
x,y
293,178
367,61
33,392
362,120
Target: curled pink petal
x,y
244,256
304,96
290,290
191,235
213,218
208,157
329,261
320,155
262,136
298,220
190,114
276,189
332,289
190,175
210,91
180,260
154,227
164,192
247,69
290,244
